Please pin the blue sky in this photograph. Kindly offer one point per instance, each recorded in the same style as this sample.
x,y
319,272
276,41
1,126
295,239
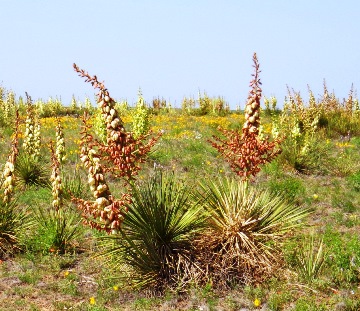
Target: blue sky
x,y
175,48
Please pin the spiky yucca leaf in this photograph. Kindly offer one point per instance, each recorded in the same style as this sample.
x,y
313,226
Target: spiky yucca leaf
x,y
57,229
30,172
156,237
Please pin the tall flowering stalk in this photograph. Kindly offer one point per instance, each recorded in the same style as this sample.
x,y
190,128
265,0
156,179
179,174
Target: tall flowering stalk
x,y
8,108
141,118
120,155
8,173
60,143
32,139
244,151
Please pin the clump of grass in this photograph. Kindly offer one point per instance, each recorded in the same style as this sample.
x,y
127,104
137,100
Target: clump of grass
x,y
12,223
310,256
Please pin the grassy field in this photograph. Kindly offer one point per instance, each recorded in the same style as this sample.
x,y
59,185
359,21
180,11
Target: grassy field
x,y
195,236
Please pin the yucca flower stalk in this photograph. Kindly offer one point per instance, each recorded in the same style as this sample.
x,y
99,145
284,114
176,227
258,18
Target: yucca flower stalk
x,y
9,107
32,139
55,179
245,151
141,118
9,169
87,105
73,104
120,155
60,143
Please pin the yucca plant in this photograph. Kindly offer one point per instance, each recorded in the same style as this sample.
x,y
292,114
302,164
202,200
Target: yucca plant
x,y
156,236
141,117
12,221
31,172
246,225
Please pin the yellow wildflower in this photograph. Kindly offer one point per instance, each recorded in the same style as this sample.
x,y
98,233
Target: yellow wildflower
x,y
257,302
92,300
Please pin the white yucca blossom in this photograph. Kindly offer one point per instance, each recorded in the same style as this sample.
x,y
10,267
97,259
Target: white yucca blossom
x,y
9,169
8,177
275,131
60,143
295,132
141,118
9,107
56,186
32,139
261,134
88,105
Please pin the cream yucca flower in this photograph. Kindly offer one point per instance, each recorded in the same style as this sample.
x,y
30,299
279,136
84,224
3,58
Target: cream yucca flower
x,y
32,139
9,168
60,143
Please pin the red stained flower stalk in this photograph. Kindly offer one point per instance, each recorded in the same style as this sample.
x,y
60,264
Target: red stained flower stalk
x,y
244,151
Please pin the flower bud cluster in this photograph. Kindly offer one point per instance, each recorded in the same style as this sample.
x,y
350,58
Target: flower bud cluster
x,y
8,177
60,143
121,154
252,108
56,187
108,211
